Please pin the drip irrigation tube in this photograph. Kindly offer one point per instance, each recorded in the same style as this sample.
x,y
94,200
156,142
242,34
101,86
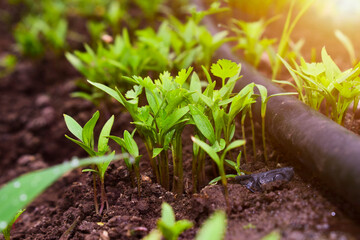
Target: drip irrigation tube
x,y
322,145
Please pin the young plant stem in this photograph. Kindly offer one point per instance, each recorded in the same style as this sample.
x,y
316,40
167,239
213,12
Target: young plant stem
x,y
200,167
103,196
263,138
95,192
253,133
243,135
224,183
137,174
194,173
153,164
164,169
178,164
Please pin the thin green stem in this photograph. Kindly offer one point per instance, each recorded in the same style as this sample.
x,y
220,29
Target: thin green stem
x,y
244,137
263,138
104,200
252,132
164,169
178,179
96,204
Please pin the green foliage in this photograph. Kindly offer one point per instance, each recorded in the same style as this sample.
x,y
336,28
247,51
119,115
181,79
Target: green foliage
x,y
85,136
250,39
213,228
168,226
45,27
160,122
264,100
6,231
322,82
283,49
19,192
274,235
219,160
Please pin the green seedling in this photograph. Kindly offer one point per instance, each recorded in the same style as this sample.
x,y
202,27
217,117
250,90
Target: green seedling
x,y
85,136
129,146
21,191
192,42
250,39
264,100
346,42
274,235
168,226
215,110
219,160
325,82
214,228
234,165
283,47
160,122
33,34
6,231
208,112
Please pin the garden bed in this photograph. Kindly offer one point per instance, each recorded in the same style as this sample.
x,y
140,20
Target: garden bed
x,y
33,99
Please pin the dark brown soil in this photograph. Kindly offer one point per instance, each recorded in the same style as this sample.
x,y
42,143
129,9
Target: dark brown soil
x,y
32,101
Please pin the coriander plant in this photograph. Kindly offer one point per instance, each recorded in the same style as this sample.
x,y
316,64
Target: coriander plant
x,y
85,136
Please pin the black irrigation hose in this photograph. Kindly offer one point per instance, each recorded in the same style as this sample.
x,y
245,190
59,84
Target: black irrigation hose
x,y
327,148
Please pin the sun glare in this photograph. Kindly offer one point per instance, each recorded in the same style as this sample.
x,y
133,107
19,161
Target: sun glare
x,y
340,10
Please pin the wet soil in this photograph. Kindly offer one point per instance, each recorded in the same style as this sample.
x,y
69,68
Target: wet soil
x,y
32,101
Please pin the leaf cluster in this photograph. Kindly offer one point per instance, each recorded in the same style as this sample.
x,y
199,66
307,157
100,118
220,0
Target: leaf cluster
x,y
213,228
324,82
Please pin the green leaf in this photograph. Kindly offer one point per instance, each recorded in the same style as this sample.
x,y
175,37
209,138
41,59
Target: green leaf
x,y
154,235
90,151
274,235
19,192
167,214
172,119
7,230
103,139
225,68
210,151
88,130
202,123
217,179
109,91
157,151
73,127
214,228
130,144
102,166
234,144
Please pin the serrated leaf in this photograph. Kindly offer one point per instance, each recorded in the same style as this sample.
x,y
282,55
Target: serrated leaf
x,y
224,68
